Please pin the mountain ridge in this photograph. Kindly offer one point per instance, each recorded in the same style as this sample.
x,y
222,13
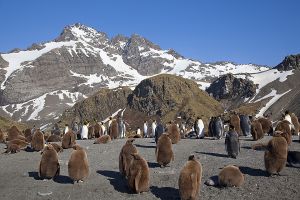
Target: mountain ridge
x,y
81,60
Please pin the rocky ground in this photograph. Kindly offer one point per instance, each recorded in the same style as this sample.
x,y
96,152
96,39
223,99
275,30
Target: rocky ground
x,y
19,173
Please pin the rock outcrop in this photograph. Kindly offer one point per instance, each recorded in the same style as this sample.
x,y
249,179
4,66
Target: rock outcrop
x,y
169,96
230,87
289,63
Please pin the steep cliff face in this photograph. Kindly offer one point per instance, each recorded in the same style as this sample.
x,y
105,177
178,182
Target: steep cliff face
x,y
141,54
231,91
230,87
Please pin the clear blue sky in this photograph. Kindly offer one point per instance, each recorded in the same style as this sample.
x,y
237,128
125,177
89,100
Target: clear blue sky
x,y
242,31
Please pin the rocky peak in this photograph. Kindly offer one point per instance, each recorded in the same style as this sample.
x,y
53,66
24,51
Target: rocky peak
x,y
289,63
138,41
119,41
174,53
36,46
81,32
230,87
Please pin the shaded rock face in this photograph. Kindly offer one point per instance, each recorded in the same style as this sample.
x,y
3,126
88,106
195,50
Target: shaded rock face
x,y
99,106
53,71
145,65
169,96
230,87
289,63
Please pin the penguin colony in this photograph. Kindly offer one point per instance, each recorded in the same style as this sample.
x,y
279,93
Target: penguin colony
x,y
134,168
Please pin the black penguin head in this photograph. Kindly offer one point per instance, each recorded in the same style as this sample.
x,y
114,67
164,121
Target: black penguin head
x,y
231,127
130,141
192,157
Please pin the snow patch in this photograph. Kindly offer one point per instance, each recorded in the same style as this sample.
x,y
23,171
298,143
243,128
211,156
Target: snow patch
x,y
271,102
35,106
156,53
113,115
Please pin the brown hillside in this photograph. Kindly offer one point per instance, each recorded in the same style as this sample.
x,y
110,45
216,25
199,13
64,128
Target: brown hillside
x,y
170,96
6,123
164,96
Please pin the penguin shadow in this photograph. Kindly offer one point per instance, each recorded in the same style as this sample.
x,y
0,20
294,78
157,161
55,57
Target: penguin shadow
x,y
253,172
116,180
63,179
153,165
246,147
34,175
213,154
165,193
209,138
29,149
145,146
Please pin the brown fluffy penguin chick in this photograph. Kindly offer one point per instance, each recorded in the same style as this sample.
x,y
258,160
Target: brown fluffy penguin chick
x,y
138,174
190,179
256,130
13,133
38,141
296,124
54,138
114,130
78,166
27,132
266,125
275,154
57,147
231,176
103,139
12,148
49,165
164,153
235,122
68,140
286,135
284,127
2,137
91,132
125,156
20,143
173,132
97,130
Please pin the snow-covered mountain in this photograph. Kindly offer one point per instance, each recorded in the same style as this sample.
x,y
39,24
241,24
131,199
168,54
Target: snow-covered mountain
x,y
39,83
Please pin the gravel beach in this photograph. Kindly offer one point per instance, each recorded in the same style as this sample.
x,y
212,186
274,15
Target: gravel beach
x,y
19,173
